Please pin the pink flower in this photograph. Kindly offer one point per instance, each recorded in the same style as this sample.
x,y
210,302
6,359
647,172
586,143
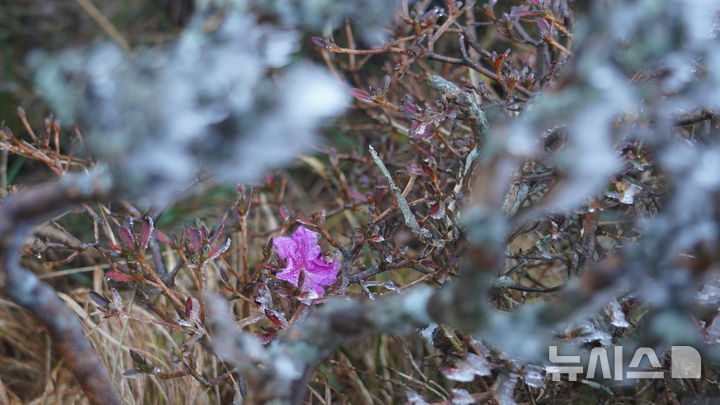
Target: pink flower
x,y
301,253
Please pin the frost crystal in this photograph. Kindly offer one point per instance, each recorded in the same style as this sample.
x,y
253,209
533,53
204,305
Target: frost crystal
x,y
413,398
617,316
466,370
461,397
625,192
708,295
534,376
505,388
590,333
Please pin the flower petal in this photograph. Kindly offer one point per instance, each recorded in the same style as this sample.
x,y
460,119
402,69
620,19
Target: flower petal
x,y
323,271
291,272
320,275
285,246
301,252
316,288
307,245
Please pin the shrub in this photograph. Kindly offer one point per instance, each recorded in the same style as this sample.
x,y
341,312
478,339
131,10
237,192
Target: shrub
x,y
486,181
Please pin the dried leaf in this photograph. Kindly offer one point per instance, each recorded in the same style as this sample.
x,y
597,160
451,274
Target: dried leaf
x,y
362,95
139,360
224,275
162,237
420,130
118,276
195,240
147,230
100,300
356,196
276,317
437,210
116,300
416,170
127,237
412,108
377,238
219,249
192,310
284,214
322,43
431,15
384,86
498,61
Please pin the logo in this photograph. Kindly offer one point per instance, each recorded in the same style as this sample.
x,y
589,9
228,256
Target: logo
x,y
685,362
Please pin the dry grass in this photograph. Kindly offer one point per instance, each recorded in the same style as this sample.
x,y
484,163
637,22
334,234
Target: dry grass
x,y
376,371
29,373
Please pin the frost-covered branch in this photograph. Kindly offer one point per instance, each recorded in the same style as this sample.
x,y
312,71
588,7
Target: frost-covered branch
x,y
408,215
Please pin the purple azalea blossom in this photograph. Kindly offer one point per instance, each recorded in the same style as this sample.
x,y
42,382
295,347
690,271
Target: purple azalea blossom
x,y
301,253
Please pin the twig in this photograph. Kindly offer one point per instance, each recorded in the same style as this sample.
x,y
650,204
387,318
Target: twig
x,y
450,91
105,24
694,118
402,203
475,66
